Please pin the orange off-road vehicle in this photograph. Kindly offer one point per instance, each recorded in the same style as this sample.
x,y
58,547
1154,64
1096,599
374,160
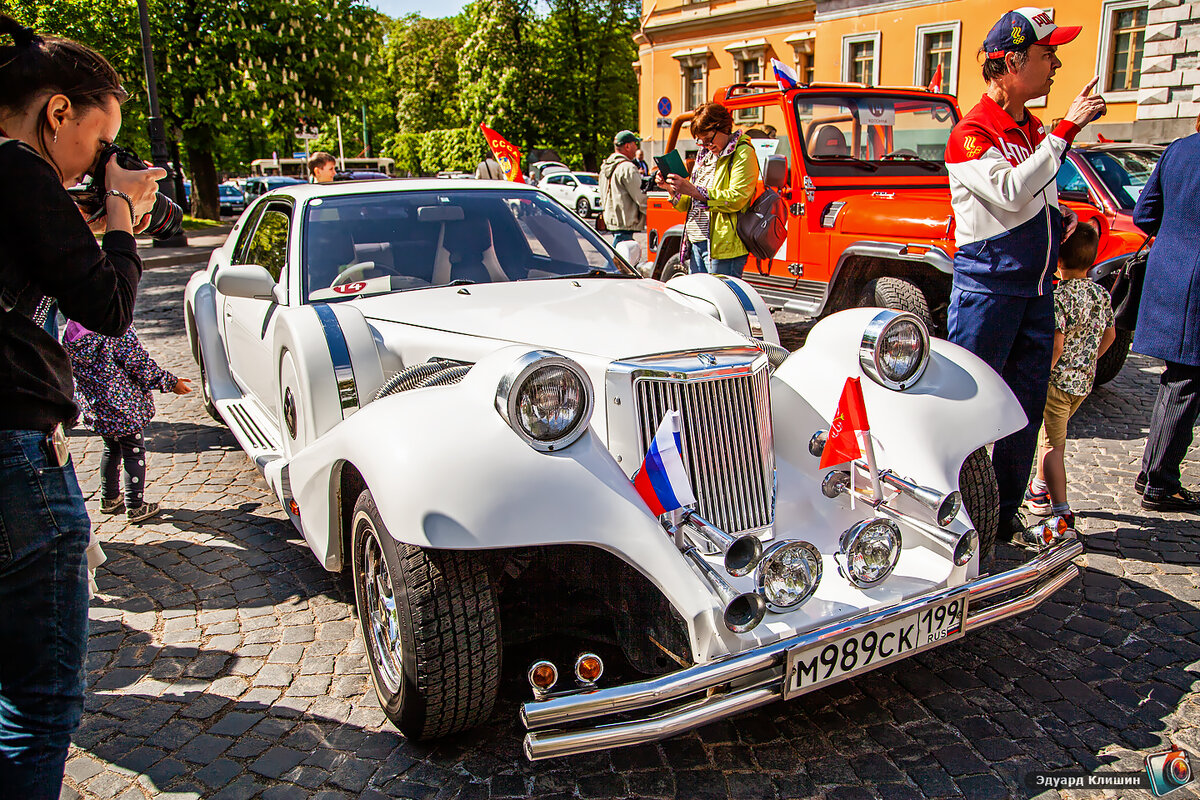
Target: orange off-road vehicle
x,y
869,219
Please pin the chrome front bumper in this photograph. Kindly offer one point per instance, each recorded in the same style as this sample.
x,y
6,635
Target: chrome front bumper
x,y
568,725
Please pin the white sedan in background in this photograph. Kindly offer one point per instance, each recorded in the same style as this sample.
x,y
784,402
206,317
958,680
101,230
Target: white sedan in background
x,y
577,190
450,385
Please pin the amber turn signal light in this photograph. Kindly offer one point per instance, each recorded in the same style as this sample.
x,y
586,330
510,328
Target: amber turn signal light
x,y
588,668
542,676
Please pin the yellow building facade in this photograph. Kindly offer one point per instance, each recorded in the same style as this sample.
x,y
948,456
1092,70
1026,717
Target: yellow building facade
x,y
1138,48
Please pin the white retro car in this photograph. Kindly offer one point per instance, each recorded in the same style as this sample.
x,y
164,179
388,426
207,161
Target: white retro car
x,y
449,386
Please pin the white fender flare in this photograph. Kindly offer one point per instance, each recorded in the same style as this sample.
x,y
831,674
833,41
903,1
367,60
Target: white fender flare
x,y
731,300
206,336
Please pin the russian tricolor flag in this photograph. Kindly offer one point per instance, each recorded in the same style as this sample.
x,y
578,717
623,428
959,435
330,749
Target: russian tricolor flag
x,y
785,76
662,480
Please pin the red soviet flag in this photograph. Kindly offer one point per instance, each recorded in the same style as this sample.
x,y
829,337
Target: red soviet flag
x,y
506,153
851,416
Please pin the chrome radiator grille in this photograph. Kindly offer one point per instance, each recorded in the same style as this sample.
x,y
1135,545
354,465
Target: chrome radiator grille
x,y
727,443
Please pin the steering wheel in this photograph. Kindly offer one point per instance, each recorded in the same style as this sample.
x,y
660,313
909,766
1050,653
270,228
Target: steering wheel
x,y
902,153
356,272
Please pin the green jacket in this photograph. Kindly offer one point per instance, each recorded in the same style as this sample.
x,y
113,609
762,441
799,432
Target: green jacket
x,y
734,182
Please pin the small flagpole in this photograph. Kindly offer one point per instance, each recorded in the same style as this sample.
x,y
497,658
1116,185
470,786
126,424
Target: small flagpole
x,y
869,452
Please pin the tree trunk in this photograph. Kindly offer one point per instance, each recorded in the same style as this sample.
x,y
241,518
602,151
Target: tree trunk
x,y
205,202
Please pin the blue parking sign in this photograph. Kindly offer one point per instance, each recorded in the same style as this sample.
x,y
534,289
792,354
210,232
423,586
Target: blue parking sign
x,y
664,106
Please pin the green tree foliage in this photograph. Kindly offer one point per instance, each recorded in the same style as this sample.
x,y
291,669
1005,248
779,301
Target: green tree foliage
x,y
422,57
500,73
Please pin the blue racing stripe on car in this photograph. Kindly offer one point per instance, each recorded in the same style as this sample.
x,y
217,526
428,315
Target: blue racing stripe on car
x,y
339,353
747,305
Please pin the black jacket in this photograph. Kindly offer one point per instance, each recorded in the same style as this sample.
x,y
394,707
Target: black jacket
x,y
46,249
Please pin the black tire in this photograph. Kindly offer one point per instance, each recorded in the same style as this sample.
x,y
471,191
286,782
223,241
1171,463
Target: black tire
x,y
583,208
206,390
446,674
672,269
1109,365
896,293
981,497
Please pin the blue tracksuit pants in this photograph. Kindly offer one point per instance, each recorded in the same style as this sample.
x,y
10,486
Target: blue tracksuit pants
x,y
1015,336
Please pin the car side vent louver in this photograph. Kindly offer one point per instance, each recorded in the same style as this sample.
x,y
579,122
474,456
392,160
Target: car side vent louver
x,y
830,214
419,376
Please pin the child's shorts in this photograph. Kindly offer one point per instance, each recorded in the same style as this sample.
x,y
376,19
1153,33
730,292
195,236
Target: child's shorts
x,y
1059,408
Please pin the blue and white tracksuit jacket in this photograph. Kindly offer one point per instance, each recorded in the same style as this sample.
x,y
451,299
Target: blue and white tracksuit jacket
x,y
1007,222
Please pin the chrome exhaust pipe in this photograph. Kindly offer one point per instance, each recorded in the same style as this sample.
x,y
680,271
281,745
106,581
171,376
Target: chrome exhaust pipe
x,y
743,611
742,553
945,507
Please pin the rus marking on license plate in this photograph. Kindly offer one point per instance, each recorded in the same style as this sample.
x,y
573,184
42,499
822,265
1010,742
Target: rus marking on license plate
x,y
866,649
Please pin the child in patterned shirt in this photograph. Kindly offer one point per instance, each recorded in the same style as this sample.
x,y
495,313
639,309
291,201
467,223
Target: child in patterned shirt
x,y
113,379
1083,330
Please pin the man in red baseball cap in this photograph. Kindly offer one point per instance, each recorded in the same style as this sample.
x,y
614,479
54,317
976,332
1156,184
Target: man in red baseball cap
x,y
1008,227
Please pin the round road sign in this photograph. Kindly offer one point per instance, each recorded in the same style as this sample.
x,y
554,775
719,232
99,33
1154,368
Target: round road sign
x,y
664,106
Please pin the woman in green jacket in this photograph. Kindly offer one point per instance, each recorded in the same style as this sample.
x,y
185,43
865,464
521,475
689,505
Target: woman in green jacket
x,y
723,183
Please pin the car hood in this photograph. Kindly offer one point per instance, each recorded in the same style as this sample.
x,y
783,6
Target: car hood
x,y
611,318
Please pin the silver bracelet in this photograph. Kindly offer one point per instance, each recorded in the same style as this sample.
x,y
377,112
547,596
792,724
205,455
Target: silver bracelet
x,y
127,199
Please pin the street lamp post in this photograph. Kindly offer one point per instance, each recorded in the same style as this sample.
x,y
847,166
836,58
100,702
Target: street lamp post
x,y
158,139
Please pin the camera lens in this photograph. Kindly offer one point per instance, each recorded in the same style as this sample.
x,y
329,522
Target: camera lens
x,y
1177,770
166,219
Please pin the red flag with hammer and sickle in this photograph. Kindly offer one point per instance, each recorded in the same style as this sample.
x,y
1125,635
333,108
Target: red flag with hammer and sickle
x,y
841,445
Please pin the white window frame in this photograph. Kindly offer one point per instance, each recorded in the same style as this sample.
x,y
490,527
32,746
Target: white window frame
x,y
693,59
1103,48
873,37
949,82
753,52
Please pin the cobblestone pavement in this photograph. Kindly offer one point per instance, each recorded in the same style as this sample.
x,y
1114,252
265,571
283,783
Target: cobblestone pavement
x,y
224,662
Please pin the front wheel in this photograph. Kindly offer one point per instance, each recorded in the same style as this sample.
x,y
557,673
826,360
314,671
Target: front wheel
x,y
431,627
981,497
1108,366
896,293
583,208
206,390
672,269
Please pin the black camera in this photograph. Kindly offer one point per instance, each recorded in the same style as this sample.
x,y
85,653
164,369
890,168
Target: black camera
x,y
166,218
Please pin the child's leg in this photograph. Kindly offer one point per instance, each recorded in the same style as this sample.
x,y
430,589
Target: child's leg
x,y
1054,468
110,469
133,449
1053,446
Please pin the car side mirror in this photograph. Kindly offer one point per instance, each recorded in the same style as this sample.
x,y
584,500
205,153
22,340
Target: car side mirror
x,y
245,280
630,251
775,172
1074,196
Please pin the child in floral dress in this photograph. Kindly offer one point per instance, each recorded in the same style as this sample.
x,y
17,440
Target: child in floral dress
x,y
113,380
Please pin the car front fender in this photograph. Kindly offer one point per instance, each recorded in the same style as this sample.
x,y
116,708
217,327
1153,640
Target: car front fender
x,y
926,431
447,472
205,336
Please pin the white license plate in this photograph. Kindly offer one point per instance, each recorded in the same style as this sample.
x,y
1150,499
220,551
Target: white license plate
x,y
866,649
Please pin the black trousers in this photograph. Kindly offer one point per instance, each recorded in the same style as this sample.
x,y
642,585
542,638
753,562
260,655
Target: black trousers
x,y
1171,428
128,451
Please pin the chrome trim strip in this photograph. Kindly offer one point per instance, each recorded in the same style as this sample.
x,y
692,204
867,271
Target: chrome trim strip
x,y
631,697
339,353
747,306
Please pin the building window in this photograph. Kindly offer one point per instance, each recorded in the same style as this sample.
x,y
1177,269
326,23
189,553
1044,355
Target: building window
x,y
860,58
803,47
748,69
804,67
1127,37
693,87
938,44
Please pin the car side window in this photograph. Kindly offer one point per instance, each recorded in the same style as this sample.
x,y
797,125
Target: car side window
x,y
243,241
268,245
569,182
1069,179
554,179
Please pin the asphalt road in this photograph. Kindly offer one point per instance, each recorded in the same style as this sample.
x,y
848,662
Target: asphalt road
x,y
225,663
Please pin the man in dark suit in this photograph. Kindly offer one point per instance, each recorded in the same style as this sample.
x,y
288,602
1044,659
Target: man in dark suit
x,y
1168,324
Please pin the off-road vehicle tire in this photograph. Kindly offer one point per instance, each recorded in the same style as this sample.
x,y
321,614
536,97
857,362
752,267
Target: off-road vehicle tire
x,y
1108,366
981,497
673,268
436,663
896,293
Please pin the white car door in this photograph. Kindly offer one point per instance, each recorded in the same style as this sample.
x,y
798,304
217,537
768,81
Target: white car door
x,y
247,320
554,185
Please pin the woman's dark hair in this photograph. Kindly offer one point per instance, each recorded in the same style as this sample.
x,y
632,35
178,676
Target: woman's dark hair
x,y
995,67
711,118
35,65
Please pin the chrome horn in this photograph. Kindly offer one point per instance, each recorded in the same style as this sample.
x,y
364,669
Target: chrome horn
x,y
945,507
742,611
742,553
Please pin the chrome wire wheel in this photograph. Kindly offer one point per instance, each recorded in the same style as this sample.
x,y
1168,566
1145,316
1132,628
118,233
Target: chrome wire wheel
x,y
380,621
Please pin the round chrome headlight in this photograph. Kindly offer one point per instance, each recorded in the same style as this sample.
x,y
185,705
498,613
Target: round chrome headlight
x,y
546,399
895,349
788,574
870,550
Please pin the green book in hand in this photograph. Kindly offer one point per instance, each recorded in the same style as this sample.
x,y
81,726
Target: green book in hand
x,y
671,164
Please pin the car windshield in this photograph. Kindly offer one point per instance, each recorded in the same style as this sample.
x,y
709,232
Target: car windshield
x,y
862,133
588,180
378,243
1124,172
228,191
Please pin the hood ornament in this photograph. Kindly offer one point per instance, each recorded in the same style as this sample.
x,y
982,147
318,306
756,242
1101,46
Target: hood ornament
x,y
707,359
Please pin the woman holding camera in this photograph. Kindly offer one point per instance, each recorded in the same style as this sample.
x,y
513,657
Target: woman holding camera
x,y
60,105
